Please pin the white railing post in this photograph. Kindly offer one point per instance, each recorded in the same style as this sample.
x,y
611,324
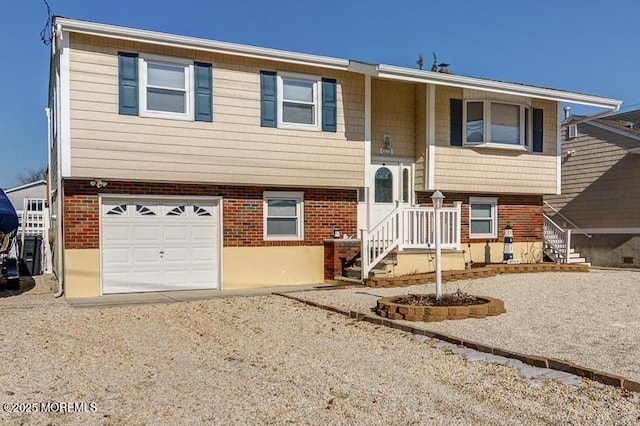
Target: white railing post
x,y
364,258
568,245
401,231
458,205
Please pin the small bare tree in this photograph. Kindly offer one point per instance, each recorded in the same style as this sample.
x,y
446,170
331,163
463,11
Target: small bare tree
x,y
32,174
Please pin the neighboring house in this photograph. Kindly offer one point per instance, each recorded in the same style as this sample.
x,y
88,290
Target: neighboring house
x,y
30,202
183,163
600,201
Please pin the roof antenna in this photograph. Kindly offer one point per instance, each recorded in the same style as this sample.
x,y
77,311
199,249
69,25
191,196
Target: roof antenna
x,y
439,67
420,62
434,67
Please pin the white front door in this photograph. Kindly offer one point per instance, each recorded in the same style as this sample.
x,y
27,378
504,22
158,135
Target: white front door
x,y
390,182
159,245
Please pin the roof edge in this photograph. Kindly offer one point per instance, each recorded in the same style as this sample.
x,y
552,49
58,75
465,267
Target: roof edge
x,y
517,89
173,40
381,70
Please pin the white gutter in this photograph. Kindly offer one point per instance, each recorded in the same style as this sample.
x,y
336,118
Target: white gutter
x,y
172,40
442,79
595,116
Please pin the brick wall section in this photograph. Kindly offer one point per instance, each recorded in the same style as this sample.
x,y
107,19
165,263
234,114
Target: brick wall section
x,y
333,251
325,210
523,212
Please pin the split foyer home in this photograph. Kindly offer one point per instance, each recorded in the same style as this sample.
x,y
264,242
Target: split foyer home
x,y
183,163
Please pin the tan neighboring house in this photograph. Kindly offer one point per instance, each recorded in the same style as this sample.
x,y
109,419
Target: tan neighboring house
x,y
600,200
183,163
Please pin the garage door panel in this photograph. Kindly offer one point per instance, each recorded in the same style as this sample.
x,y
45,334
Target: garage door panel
x,y
116,233
150,280
203,232
116,256
173,255
176,233
203,254
146,233
146,255
159,245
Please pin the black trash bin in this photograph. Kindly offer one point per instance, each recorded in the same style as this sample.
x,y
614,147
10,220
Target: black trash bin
x,y
32,255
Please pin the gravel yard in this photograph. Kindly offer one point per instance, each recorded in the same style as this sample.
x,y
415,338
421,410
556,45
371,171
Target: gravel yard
x,y
591,319
269,360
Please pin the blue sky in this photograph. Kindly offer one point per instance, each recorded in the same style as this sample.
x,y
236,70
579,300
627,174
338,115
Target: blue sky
x,y
583,46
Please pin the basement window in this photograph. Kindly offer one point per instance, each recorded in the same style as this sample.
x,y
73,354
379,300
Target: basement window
x,y
283,216
483,217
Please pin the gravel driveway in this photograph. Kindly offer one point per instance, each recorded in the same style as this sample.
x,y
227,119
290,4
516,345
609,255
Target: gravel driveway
x,y
261,360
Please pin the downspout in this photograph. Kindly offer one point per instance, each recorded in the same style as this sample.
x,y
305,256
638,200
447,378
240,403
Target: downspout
x,y
59,189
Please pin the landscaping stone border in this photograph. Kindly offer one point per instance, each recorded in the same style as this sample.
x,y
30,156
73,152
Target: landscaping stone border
x,y
387,308
483,272
536,361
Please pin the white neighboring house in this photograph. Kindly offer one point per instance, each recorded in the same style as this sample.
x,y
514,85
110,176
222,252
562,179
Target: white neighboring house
x,y
30,202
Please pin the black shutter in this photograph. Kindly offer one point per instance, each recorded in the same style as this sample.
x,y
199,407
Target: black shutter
x,y
455,107
538,126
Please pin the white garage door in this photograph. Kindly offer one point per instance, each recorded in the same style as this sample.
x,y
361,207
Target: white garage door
x,y
159,245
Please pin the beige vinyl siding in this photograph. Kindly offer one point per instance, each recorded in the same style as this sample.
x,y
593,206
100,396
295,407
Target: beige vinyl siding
x,y
601,182
393,112
233,149
493,170
420,177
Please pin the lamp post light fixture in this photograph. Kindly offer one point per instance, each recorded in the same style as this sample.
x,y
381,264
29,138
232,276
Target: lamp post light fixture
x,y
437,198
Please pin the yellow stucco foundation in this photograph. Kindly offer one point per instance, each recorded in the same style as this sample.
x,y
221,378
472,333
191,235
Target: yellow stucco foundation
x,y
420,263
253,267
493,252
81,273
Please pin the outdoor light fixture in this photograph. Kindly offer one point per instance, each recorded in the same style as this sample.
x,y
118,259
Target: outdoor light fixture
x,y
437,198
336,233
98,183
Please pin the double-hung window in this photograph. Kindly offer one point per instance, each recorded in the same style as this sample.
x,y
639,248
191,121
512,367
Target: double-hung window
x,y
483,217
165,89
283,216
298,104
496,123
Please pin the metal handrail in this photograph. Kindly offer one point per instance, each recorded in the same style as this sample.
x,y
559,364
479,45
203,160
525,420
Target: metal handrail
x,y
577,228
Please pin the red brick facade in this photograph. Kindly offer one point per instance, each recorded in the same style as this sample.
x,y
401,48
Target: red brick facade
x,y
522,212
324,211
333,251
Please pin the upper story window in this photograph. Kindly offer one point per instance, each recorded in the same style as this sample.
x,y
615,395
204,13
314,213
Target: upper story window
x,y
496,123
298,96
165,87
298,101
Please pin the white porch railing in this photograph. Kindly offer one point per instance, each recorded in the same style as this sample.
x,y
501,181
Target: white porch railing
x,y
409,228
557,241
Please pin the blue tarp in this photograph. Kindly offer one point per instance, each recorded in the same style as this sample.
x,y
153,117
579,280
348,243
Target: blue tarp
x,y
8,216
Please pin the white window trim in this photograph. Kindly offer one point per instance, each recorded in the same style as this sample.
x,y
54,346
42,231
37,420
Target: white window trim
x,y
317,90
486,122
494,216
189,77
284,195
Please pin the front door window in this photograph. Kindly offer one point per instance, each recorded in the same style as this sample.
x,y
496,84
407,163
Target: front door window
x,y
383,186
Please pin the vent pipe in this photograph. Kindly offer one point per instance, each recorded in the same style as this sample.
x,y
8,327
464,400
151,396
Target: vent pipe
x,y
567,112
